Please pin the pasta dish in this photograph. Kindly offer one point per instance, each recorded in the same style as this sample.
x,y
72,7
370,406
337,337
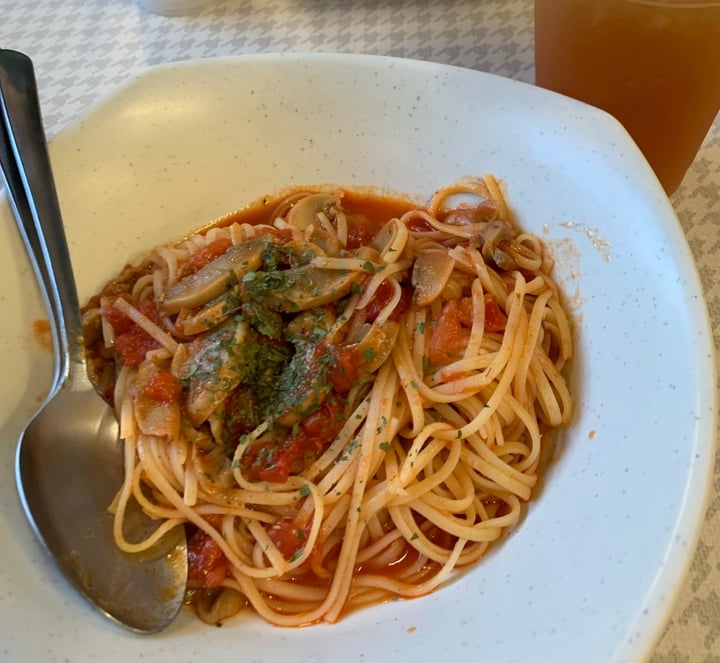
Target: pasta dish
x,y
342,397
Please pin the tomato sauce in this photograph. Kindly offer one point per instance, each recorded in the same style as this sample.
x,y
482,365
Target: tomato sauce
x,y
42,335
367,212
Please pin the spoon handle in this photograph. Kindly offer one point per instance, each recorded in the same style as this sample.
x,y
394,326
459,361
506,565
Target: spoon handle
x,y
28,175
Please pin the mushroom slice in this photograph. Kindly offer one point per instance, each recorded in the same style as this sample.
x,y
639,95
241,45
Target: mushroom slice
x,y
216,364
216,311
492,239
431,272
375,347
211,280
311,325
301,288
301,387
307,212
369,346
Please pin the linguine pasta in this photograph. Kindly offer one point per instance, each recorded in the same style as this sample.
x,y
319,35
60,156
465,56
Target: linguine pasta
x,y
343,398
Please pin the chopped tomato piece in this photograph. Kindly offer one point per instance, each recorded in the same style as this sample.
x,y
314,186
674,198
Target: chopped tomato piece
x,y
273,460
207,565
342,369
270,460
465,311
451,333
208,253
163,387
120,322
132,346
131,341
495,318
321,427
290,534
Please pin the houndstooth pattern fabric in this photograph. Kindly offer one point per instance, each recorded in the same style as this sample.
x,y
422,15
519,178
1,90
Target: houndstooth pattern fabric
x,y
109,40
83,49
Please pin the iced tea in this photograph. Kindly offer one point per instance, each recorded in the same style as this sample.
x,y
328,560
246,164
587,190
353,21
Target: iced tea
x,y
653,64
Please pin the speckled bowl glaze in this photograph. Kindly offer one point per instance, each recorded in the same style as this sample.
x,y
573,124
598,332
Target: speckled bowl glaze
x,y
590,573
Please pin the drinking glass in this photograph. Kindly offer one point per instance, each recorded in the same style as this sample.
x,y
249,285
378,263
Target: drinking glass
x,y
653,64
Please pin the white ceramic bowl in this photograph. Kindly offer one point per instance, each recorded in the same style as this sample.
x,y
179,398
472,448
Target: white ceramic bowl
x,y
591,572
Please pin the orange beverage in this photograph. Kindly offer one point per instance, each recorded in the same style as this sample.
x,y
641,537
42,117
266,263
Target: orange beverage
x,y
653,64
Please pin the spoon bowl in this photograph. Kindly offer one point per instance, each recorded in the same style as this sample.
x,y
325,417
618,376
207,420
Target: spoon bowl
x,y
70,460
69,467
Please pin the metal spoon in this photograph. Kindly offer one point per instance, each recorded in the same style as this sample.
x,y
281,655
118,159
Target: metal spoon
x,y
70,461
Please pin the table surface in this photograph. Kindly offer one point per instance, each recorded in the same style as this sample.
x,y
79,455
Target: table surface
x,y
83,49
